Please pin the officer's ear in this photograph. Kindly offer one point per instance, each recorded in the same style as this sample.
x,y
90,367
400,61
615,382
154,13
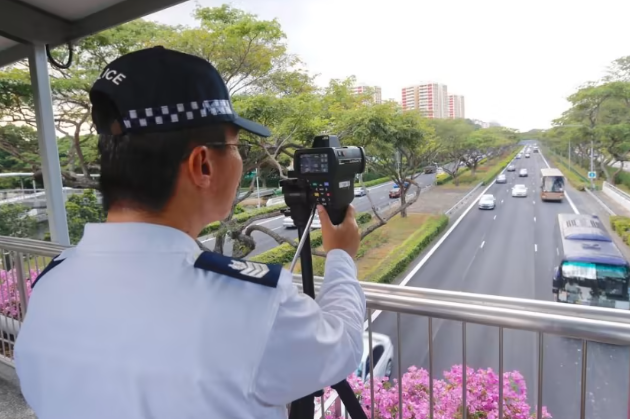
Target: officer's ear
x,y
199,166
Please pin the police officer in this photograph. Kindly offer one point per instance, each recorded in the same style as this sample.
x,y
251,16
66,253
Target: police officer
x,y
136,322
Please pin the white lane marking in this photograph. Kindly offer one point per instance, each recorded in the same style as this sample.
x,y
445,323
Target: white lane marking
x,y
534,219
207,240
501,201
495,217
534,202
482,243
557,251
566,195
535,247
269,220
433,249
277,228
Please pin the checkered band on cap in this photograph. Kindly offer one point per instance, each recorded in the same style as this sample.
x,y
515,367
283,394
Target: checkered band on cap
x,y
173,114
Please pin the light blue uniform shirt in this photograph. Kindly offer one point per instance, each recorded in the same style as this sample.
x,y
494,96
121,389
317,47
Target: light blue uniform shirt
x,y
126,327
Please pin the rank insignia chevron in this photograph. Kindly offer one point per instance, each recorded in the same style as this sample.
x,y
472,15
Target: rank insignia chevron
x,y
258,273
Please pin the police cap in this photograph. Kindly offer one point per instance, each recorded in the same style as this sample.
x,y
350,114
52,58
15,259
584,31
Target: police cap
x,y
157,89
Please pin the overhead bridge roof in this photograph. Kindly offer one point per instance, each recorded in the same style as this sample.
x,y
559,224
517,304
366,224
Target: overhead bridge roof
x,y
56,22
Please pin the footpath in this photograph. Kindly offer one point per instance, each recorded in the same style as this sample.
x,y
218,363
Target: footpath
x,y
12,404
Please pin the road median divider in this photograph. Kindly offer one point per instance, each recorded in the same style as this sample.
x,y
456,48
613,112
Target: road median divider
x,y
402,256
284,253
498,168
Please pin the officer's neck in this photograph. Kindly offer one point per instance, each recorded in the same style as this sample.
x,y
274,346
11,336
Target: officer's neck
x,y
165,218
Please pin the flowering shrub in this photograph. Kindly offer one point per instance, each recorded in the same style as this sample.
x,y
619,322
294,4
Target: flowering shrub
x,y
10,294
482,399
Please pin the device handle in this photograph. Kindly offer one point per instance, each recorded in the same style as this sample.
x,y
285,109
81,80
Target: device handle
x,y
337,215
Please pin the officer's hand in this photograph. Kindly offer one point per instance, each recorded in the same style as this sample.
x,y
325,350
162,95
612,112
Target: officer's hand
x,y
345,236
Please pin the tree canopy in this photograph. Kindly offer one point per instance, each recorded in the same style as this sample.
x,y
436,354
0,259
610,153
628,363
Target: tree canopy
x,y
267,83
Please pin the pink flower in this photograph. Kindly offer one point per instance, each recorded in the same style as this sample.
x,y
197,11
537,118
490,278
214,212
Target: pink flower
x,y
10,294
482,397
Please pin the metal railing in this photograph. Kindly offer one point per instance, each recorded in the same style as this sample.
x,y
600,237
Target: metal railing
x,y
24,257
616,194
464,199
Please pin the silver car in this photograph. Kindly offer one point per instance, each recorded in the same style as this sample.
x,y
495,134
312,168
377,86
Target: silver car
x,y
487,201
501,178
522,173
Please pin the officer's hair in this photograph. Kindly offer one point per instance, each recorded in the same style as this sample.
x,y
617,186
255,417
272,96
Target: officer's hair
x,y
139,171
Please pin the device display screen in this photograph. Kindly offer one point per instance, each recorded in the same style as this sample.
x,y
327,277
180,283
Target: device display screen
x,y
314,163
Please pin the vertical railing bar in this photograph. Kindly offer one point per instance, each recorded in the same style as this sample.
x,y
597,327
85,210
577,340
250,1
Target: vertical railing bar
x,y
323,408
21,281
583,378
464,373
500,373
5,345
27,260
541,350
431,368
338,407
371,358
400,377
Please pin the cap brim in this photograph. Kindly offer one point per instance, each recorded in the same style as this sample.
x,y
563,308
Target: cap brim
x,y
251,126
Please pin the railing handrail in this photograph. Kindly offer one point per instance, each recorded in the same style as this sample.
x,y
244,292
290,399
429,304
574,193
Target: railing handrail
x,y
495,301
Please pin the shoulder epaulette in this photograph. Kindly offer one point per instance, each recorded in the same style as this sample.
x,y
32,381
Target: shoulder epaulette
x,y
53,263
245,270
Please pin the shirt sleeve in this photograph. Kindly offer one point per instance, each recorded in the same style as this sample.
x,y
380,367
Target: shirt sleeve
x,y
313,343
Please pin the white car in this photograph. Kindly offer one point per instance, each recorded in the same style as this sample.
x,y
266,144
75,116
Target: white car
x,y
382,353
522,173
519,191
527,155
360,191
518,156
288,221
276,200
487,201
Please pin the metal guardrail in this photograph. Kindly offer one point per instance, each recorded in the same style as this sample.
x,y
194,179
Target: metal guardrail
x,y
600,202
23,258
620,196
464,199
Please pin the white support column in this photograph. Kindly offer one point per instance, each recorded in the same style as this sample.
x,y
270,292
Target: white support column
x,y
48,151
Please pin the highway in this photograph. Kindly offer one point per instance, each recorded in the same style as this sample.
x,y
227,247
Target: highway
x,y
509,252
379,195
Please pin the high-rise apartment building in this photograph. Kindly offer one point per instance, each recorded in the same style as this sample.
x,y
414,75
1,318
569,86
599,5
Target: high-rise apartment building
x,y
430,99
456,107
375,91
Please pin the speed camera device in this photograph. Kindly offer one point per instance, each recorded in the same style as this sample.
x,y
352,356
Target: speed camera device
x,y
324,174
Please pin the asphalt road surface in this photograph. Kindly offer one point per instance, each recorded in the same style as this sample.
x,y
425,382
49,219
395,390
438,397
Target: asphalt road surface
x,y
379,195
509,252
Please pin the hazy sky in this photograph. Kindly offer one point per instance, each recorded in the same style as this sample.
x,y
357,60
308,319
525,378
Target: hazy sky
x,y
514,61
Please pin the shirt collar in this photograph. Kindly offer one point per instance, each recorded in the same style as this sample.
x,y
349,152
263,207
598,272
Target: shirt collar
x,y
135,237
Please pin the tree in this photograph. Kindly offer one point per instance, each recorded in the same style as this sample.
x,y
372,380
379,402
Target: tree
x,y
453,135
81,209
249,53
15,221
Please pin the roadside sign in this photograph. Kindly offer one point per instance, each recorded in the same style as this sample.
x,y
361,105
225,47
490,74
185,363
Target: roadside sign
x,y
592,175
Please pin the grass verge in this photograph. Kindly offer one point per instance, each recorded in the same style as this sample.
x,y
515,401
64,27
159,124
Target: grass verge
x,y
621,225
388,251
486,171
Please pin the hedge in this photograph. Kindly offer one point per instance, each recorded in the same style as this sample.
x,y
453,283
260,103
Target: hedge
x,y
242,217
373,182
496,170
444,177
403,255
284,253
621,225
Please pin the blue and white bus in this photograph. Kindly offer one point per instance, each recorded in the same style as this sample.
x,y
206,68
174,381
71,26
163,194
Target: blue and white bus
x,y
590,269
